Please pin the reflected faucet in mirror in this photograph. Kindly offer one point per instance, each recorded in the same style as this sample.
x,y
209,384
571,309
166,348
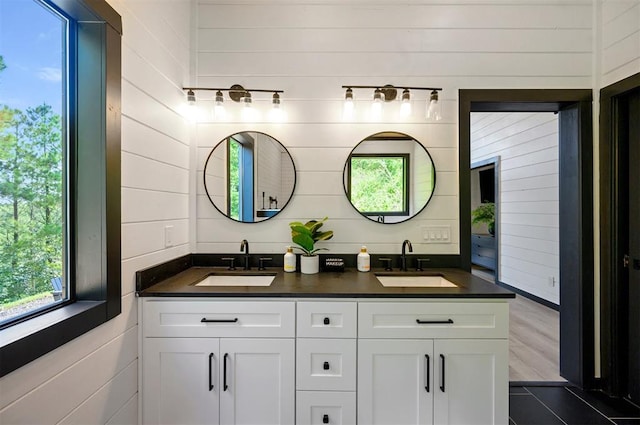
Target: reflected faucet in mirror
x,y
242,169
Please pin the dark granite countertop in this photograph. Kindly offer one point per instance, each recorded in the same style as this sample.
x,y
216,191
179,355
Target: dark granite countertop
x,y
347,284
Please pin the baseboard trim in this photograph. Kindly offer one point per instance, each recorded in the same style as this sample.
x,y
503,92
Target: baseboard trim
x,y
532,297
539,383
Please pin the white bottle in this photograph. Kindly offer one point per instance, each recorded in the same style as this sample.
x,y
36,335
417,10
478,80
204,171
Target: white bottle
x,y
364,261
289,260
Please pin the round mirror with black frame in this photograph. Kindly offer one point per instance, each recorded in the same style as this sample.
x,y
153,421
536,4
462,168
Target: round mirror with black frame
x,y
389,177
249,177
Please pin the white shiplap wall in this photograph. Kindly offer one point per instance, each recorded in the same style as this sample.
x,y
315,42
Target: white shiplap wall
x,y
93,379
620,40
310,49
527,145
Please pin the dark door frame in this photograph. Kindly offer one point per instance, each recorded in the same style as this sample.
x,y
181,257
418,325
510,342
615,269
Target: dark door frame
x,y
576,249
613,299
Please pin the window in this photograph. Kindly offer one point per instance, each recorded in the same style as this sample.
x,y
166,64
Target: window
x,y
378,184
60,173
240,191
33,150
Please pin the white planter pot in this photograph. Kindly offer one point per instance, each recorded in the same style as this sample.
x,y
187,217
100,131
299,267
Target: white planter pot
x,y
309,265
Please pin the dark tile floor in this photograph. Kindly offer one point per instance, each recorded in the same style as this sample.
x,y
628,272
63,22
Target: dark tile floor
x,y
551,405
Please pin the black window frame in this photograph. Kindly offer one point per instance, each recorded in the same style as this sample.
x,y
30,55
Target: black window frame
x,y
406,179
94,133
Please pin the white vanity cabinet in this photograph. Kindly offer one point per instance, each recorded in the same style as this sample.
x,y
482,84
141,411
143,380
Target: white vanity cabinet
x,y
326,362
212,362
432,363
330,361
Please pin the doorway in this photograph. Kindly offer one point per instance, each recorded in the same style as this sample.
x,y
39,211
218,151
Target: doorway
x,y
576,210
620,235
525,146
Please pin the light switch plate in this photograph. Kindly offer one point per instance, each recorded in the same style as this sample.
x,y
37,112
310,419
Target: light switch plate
x,y
436,234
168,236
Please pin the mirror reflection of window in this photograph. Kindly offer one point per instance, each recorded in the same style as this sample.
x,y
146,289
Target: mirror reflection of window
x,y
379,184
249,177
389,177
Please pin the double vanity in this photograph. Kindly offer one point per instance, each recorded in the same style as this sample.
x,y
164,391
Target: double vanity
x,y
268,347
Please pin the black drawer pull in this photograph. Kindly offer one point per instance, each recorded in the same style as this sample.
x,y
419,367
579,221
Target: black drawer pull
x,y
225,387
326,321
434,322
325,365
325,419
210,380
427,378
205,320
442,372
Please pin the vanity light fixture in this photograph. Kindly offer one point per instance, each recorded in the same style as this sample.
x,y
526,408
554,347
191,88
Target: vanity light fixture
x,y
388,93
405,105
237,93
218,108
434,110
347,111
376,106
276,114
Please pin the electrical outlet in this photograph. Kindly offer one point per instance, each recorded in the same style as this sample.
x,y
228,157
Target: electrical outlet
x,y
436,234
168,236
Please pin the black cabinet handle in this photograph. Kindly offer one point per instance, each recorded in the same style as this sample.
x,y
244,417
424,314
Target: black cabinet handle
x,y
210,367
325,419
325,365
326,321
205,320
442,372
427,367
224,373
434,322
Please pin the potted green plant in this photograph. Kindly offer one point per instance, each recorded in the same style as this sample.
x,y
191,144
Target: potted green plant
x,y
305,236
485,213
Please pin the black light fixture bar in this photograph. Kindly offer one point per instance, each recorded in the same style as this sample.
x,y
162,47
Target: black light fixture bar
x,y
388,86
236,91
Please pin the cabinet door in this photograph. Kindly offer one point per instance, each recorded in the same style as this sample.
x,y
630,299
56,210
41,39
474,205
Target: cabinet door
x,y
471,382
257,381
179,381
395,381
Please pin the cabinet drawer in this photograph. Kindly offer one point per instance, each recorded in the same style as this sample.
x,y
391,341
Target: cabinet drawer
x,y
326,364
327,319
433,320
325,407
171,318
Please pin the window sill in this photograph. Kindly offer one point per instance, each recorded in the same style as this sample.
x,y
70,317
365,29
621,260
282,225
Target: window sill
x,y
26,341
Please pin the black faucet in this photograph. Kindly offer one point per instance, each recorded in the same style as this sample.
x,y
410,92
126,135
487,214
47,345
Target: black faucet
x,y
403,258
247,260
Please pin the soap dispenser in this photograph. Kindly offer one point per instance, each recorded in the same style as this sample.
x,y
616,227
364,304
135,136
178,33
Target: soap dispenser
x,y
364,261
289,260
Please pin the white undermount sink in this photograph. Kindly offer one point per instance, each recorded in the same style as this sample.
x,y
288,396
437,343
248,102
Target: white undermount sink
x,y
415,281
237,280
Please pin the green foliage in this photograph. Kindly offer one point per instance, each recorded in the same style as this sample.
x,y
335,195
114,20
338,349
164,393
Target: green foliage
x,y
234,179
307,234
485,213
377,184
31,223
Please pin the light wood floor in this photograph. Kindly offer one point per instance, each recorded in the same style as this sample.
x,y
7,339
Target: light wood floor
x,y
534,343
534,339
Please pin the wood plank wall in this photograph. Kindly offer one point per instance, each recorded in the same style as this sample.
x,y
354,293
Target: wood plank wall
x,y
527,145
310,49
620,40
93,379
